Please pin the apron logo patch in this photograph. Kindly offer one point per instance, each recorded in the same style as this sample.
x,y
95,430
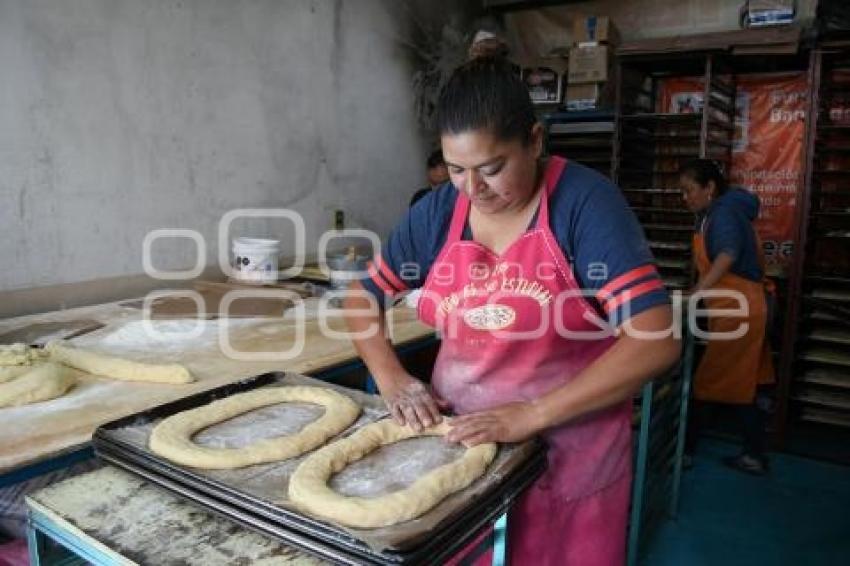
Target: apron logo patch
x,y
490,317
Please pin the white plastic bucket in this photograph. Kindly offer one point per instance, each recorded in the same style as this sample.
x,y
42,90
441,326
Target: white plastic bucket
x,y
256,259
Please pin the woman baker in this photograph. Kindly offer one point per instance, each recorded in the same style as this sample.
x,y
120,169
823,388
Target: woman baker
x,y
550,311
730,262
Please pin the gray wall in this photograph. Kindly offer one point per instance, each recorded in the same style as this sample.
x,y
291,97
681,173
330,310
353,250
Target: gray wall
x,y
122,116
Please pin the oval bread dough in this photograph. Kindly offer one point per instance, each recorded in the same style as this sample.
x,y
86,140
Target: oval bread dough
x,y
308,486
40,383
172,438
118,368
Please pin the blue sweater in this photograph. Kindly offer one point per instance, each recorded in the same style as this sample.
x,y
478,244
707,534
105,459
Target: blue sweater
x,y
727,226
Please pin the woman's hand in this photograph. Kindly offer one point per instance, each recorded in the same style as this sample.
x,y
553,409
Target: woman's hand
x,y
413,403
719,267
513,422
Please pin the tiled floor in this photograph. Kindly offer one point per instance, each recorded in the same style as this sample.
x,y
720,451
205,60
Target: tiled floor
x,y
797,515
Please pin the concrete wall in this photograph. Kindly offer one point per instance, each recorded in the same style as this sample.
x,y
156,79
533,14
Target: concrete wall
x,y
123,116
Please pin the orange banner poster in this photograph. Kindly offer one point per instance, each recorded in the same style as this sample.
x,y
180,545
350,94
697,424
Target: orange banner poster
x,y
767,154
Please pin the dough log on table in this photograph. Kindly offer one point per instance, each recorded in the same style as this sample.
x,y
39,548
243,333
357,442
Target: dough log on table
x,y
172,438
8,373
18,355
308,486
36,383
117,368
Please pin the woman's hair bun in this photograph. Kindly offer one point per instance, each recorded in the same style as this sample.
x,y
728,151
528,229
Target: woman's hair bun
x,y
487,45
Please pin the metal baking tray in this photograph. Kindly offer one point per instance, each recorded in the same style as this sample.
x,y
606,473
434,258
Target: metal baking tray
x,y
316,537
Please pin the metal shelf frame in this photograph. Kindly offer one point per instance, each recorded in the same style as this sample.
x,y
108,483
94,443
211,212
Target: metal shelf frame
x,y
798,387
706,134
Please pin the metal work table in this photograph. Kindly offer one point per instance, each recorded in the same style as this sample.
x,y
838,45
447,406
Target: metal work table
x,y
107,530
660,417
131,521
135,522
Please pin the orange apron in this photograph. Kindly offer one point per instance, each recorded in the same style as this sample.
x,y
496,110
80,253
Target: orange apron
x,y
730,370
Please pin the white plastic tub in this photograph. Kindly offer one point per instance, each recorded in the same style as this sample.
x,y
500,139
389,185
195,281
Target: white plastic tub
x,y
255,260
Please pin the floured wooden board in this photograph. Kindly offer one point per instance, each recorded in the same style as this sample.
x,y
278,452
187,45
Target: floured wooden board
x,y
137,521
45,429
212,295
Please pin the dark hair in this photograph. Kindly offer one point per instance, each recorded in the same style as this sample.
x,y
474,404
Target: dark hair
x,y
435,158
486,93
701,171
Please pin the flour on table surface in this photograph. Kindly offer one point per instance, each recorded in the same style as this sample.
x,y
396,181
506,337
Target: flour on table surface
x,y
85,395
145,524
165,340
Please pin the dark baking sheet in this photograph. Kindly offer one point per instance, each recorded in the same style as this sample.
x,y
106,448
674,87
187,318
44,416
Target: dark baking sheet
x,y
441,532
40,333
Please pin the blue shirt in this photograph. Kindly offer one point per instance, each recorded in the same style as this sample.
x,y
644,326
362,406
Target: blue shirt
x,y
597,232
727,227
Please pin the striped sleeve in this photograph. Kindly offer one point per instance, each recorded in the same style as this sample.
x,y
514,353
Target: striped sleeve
x,y
382,276
412,247
630,293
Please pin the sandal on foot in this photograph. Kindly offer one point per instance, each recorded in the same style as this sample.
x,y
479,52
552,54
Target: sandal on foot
x,y
746,464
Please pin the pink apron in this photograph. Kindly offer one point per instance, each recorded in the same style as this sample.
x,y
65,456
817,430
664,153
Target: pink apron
x,y
508,325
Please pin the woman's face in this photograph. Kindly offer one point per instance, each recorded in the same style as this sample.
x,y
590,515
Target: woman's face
x,y
497,176
697,197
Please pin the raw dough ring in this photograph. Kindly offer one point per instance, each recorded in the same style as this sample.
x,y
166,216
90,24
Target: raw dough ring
x,y
172,438
308,486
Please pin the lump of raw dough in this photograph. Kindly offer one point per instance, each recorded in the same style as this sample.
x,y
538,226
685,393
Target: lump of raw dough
x,y
8,373
38,383
18,355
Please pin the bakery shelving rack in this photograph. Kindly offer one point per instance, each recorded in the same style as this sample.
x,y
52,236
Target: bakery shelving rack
x,y
817,392
586,137
653,139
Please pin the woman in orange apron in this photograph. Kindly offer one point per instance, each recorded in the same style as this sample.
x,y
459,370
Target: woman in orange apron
x,y
517,260
729,258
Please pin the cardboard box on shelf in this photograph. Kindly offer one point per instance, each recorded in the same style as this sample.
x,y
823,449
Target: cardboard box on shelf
x,y
599,29
545,77
764,13
589,64
588,96
544,84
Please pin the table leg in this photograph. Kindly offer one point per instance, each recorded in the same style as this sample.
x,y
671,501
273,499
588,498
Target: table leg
x,y
500,541
35,544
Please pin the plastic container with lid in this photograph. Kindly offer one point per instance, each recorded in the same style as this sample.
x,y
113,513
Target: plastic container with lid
x,y
255,260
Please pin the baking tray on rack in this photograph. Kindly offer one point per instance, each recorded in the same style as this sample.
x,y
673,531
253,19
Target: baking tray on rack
x,y
458,518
